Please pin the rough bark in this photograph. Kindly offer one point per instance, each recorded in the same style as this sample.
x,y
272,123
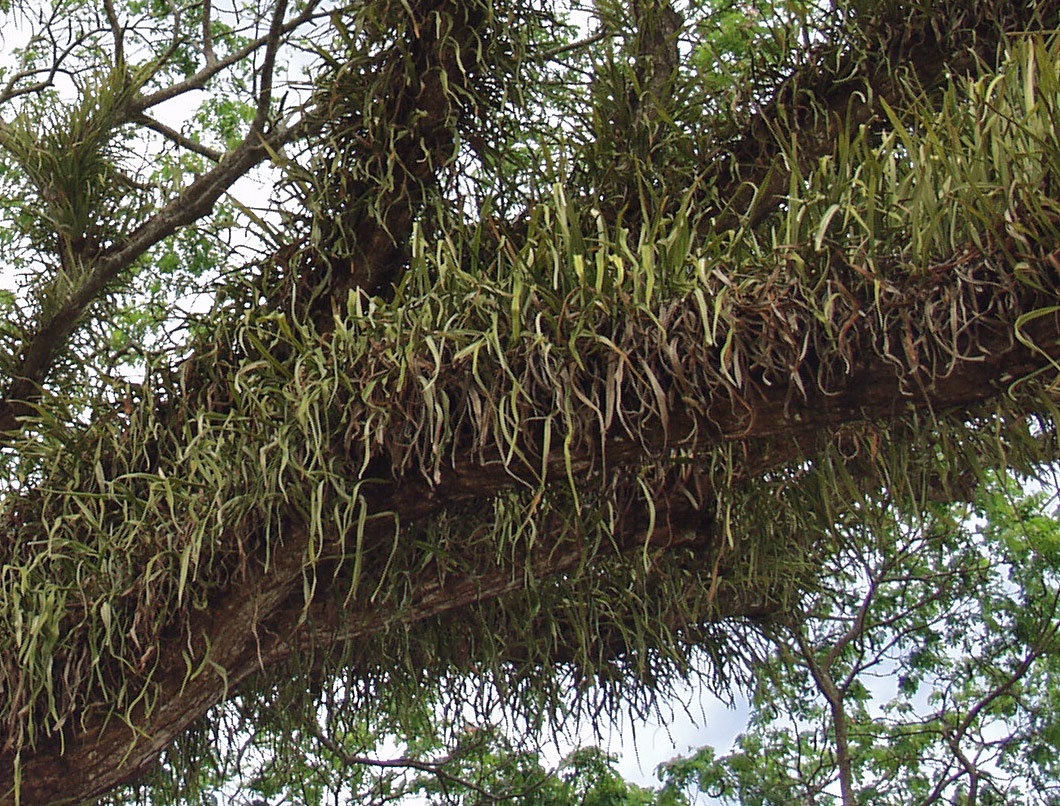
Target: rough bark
x,y
258,623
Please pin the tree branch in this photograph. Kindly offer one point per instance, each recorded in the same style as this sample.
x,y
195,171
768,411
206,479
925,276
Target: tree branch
x,y
199,79
581,44
51,334
263,621
171,134
11,89
272,44
257,624
841,89
822,676
435,768
207,34
190,205
117,31
260,620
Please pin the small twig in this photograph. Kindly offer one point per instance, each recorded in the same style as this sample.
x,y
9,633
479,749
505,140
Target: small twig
x,y
177,13
552,53
181,140
434,768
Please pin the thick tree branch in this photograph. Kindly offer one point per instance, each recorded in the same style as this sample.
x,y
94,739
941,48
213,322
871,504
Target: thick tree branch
x,y
262,621
255,625
259,620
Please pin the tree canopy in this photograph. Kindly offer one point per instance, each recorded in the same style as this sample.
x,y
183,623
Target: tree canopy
x,y
573,342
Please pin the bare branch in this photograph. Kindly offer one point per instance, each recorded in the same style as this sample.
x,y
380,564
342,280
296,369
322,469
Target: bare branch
x,y
181,140
118,31
822,675
59,56
581,44
857,626
944,780
268,65
200,78
436,768
998,691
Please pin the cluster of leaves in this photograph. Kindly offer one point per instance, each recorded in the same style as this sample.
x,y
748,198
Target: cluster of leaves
x,y
940,639
610,324
923,670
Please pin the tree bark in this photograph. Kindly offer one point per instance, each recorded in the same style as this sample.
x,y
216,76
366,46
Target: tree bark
x,y
258,623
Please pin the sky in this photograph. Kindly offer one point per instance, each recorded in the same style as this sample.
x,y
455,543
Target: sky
x,y
697,718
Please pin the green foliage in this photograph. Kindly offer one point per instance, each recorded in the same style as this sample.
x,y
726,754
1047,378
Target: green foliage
x,y
940,635
940,639
526,297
